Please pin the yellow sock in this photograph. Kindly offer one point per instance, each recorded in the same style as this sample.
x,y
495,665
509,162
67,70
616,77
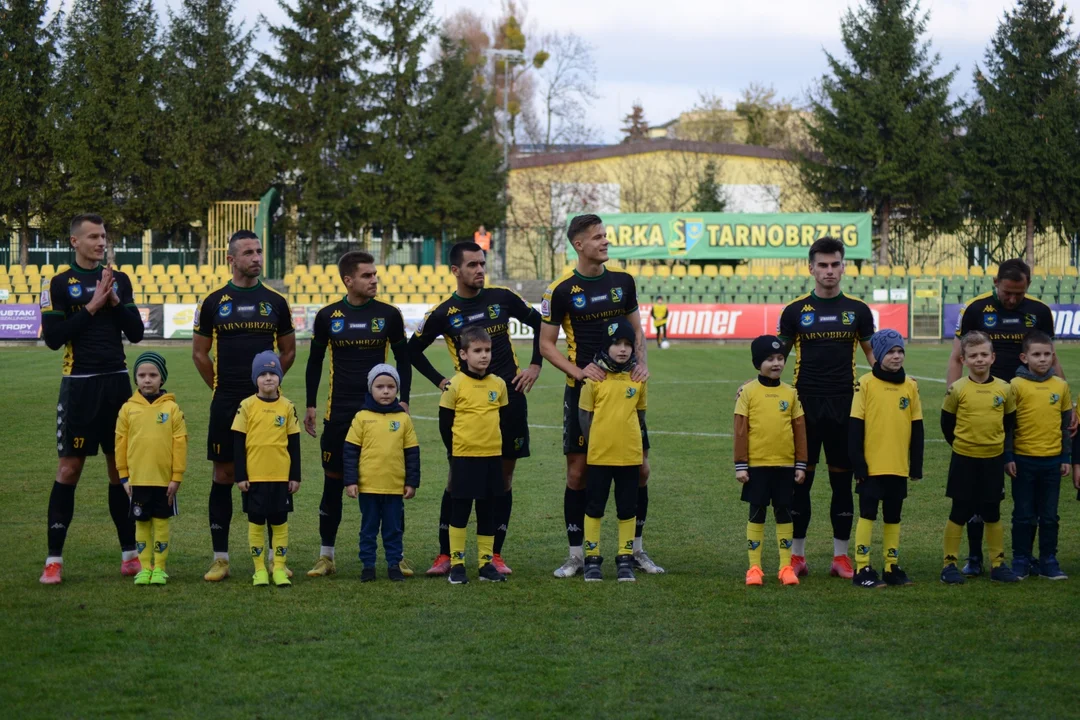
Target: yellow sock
x,y
864,536
755,535
281,544
457,545
256,539
592,535
783,541
892,545
995,542
626,536
485,549
160,527
143,535
953,533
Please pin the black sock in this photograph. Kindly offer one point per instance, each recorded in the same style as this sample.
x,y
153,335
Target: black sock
x,y
642,508
975,537
842,506
120,509
800,507
503,506
221,511
330,510
61,510
574,502
444,523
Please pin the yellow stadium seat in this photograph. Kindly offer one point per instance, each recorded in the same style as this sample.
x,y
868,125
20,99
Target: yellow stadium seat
x,y
742,271
157,269
301,270
172,299
188,299
289,279
991,270
633,271
21,287
142,270
172,270
200,289
393,269
16,271
898,270
169,288
1071,271
150,288
1039,270
184,288
48,270
850,270
427,270
390,289
883,271
432,299
663,271
190,270
127,269
31,270
648,271
399,299
678,271
410,269
25,300
722,271
425,288
330,288
311,288
63,268
867,270
914,271
5,282
976,271
788,271
409,288
416,299
960,270
1056,271
773,271
140,299
802,270
694,271
156,299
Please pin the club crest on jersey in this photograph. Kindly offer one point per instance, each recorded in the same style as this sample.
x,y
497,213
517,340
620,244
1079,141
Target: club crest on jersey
x,y
998,400
279,420
492,396
631,392
337,325
519,443
904,403
493,311
1054,397
116,288
225,309
578,300
456,321
616,294
75,291
162,418
612,328
784,405
377,324
265,309
395,425
807,319
847,317
1029,320
990,320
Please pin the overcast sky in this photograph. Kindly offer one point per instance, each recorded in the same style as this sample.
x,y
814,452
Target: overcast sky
x,y
665,53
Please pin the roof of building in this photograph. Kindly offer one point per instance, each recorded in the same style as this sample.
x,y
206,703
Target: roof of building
x,y
520,162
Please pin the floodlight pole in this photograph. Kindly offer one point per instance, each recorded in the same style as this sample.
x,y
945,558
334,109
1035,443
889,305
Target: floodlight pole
x,y
512,57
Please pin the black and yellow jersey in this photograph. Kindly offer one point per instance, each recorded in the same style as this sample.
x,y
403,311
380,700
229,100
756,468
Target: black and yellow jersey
x,y
383,439
770,411
659,314
358,337
887,410
1005,327
242,322
151,441
1039,419
583,305
492,309
825,333
980,410
615,433
92,343
267,425
476,402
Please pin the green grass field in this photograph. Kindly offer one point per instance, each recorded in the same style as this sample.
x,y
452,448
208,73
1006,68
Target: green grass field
x,y
694,642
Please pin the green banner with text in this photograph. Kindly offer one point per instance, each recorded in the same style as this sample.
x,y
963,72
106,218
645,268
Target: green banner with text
x,y
731,236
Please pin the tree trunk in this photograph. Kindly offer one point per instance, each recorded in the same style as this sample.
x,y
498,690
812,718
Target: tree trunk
x,y
313,251
1029,239
24,242
203,241
883,244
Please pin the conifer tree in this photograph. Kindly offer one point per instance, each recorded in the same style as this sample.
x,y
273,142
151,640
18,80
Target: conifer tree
x,y
709,197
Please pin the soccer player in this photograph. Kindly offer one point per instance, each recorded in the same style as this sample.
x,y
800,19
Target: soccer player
x,y
470,422
1005,316
151,457
977,416
770,454
476,304
235,322
1039,457
86,310
583,302
659,315
357,330
825,327
266,437
886,447
382,470
611,413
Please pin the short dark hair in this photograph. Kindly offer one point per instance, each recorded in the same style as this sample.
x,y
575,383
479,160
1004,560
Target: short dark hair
x,y
238,236
78,220
580,224
973,338
1036,337
659,297
457,253
826,246
472,334
1016,270
348,262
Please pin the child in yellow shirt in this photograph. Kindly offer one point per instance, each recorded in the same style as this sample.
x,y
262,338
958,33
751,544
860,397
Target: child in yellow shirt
x,y
151,457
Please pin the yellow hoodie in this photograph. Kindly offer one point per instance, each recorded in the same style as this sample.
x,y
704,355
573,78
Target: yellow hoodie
x,y
151,441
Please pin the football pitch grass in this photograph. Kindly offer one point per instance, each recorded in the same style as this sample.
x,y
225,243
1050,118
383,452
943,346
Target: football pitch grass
x,y
693,642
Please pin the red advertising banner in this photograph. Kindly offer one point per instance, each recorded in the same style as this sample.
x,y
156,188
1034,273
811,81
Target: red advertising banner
x,y
746,322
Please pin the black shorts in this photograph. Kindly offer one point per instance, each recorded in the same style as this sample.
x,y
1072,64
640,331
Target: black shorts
x,y
476,478
573,440
86,413
827,426
219,437
332,442
264,499
766,485
515,426
883,487
151,501
976,480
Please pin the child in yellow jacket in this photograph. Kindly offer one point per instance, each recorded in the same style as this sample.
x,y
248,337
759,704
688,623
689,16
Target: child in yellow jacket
x,y
151,457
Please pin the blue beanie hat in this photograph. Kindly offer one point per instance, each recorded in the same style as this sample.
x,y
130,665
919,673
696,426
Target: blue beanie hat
x,y
266,361
885,340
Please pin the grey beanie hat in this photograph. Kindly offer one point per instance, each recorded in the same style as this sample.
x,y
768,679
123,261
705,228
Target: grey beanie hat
x,y
382,369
